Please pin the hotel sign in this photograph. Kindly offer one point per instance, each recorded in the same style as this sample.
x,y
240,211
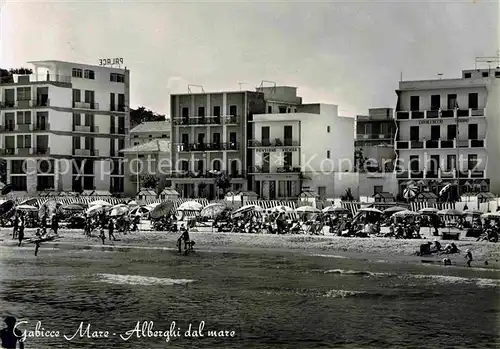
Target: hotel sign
x,y
273,150
438,122
103,62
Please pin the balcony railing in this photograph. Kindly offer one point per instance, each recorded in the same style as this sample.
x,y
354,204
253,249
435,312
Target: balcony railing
x,y
17,151
434,114
85,128
198,121
187,147
441,174
118,108
24,127
86,105
116,130
269,169
42,151
288,169
441,144
85,152
41,127
28,78
367,136
272,143
201,174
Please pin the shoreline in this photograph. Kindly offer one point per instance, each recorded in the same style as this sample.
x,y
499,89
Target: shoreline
x,y
377,249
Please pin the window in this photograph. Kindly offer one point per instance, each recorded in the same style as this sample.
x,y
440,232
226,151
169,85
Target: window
x,y
89,120
233,110
452,132
414,133
216,110
414,103
265,134
185,112
200,166
23,93
328,129
287,159
473,101
450,162
76,142
327,154
269,109
497,74
136,136
467,75
216,165
289,110
136,143
201,112
434,164
77,96
471,161
378,189
435,102
473,131
23,142
322,192
265,162
435,132
76,119
114,77
485,74
282,110
17,167
18,182
89,74
414,163
163,136
45,166
121,102
23,117
452,101
76,73
288,133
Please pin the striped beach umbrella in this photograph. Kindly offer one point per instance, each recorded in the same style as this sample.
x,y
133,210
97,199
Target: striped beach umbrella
x,y
410,192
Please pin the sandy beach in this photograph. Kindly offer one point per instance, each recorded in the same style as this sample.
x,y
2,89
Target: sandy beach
x,y
376,249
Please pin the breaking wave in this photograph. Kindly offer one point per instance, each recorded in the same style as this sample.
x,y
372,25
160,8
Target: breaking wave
x,y
356,272
140,280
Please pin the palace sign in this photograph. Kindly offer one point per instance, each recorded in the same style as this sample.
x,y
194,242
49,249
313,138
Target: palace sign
x,y
104,62
273,150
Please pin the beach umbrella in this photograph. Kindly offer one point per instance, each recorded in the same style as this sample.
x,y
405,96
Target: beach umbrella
x,y
410,192
282,208
132,203
213,210
73,207
445,189
248,208
473,212
6,206
26,208
118,210
94,209
307,209
7,189
31,202
161,210
450,212
428,210
151,207
190,206
100,203
48,208
406,213
139,210
394,209
334,209
369,209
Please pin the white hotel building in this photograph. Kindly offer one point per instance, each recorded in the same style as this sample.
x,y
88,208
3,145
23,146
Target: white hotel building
x,y
310,147
67,123
440,121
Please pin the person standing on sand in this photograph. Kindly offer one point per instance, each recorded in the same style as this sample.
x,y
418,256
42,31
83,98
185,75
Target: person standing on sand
x,y
468,256
10,335
101,234
37,242
15,225
111,229
21,231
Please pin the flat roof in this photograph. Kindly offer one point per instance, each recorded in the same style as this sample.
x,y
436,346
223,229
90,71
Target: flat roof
x,y
51,61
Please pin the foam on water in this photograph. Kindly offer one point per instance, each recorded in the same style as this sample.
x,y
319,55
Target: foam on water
x,y
140,280
356,272
344,294
327,256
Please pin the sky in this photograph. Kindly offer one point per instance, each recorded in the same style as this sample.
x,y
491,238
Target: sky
x,y
349,53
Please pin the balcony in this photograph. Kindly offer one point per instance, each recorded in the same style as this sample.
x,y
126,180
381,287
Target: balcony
x,y
375,136
273,143
17,152
41,127
288,169
200,174
85,128
259,169
27,79
441,144
231,120
120,108
435,114
25,104
86,105
116,130
42,151
188,147
198,121
24,128
85,152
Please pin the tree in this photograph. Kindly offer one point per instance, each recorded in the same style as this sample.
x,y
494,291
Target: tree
x,y
149,181
360,160
223,182
142,114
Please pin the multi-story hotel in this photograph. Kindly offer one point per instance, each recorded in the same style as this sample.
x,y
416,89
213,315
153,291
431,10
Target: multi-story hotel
x,y
62,127
448,132
375,154
149,154
304,148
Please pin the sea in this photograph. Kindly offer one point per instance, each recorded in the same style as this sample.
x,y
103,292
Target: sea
x,y
111,297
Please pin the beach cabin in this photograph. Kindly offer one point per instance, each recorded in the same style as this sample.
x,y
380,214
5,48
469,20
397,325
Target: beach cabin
x,y
247,196
308,198
427,197
146,194
384,197
169,194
